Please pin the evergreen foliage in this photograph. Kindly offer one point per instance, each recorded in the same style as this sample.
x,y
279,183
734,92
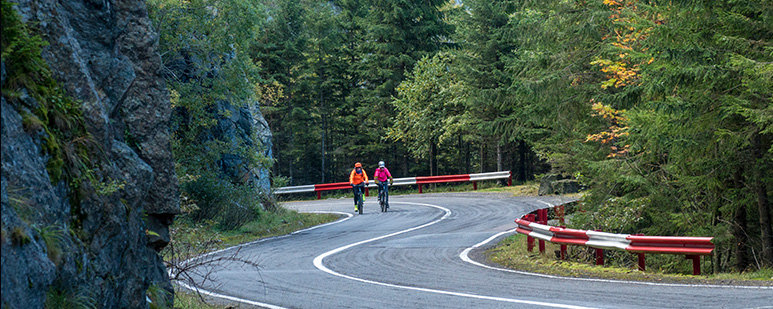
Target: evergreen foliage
x,y
663,109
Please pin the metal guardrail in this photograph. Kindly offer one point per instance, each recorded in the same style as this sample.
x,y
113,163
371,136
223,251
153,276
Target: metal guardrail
x,y
419,181
691,247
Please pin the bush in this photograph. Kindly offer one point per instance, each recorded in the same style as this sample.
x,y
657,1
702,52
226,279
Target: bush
x,y
228,205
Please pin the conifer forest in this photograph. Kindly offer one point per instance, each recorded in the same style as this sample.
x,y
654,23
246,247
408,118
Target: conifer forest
x,y
662,110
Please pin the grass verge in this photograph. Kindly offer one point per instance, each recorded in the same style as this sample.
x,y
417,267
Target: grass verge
x,y
269,224
188,300
199,238
511,253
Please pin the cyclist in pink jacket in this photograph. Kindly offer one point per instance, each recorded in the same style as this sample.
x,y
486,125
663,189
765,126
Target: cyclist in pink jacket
x,y
380,176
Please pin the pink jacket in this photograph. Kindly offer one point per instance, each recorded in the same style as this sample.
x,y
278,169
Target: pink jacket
x,y
382,175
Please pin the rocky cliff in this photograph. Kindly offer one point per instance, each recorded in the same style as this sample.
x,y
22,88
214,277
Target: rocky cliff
x,y
100,249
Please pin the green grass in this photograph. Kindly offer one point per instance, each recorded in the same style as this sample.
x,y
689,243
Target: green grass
x,y
280,222
207,237
204,237
189,300
512,253
53,237
61,299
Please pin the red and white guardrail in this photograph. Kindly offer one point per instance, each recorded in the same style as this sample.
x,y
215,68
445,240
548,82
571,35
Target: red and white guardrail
x,y
691,247
474,178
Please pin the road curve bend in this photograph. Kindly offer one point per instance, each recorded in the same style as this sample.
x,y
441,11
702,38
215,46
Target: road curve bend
x,y
417,256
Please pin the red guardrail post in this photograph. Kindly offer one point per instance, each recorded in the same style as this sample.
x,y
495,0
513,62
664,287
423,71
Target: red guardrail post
x,y
366,191
563,248
529,239
319,195
642,266
420,188
641,262
475,185
543,219
599,255
696,264
560,213
510,179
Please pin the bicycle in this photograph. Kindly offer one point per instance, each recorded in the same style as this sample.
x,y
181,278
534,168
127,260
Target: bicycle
x,y
359,195
382,194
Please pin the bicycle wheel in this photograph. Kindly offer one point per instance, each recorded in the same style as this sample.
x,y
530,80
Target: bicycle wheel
x,y
359,204
381,202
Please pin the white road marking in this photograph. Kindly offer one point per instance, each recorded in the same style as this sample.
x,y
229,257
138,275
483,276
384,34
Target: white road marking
x,y
247,301
318,263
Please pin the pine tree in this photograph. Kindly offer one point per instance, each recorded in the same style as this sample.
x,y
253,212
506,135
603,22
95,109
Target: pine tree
x,y
398,33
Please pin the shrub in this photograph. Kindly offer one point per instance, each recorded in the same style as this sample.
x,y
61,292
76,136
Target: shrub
x,y
228,205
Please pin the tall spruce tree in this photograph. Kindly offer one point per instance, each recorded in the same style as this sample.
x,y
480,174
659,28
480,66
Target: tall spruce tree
x,y
279,50
398,33
704,122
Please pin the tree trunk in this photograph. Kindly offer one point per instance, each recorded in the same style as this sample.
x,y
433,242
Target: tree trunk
x,y
292,144
432,158
459,148
467,159
405,164
523,155
324,118
739,234
739,228
499,157
763,204
482,157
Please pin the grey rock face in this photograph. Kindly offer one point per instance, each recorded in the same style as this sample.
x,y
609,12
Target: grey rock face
x,y
246,126
104,54
26,269
558,184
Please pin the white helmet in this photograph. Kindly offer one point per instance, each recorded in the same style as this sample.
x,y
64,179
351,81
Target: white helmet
x,y
381,164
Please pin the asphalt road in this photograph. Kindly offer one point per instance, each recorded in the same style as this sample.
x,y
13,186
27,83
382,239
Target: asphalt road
x,y
421,255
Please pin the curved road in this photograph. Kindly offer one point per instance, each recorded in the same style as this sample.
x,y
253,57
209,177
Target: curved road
x,y
416,256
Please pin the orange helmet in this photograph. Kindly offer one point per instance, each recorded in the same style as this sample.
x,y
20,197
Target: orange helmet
x,y
358,164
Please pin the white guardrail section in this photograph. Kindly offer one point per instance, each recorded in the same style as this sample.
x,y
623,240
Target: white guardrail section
x,y
607,240
401,181
489,176
294,189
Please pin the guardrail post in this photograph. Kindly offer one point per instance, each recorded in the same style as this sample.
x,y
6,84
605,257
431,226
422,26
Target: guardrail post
x,y
420,188
563,248
319,195
475,185
366,191
543,218
641,262
529,239
696,264
510,180
599,255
